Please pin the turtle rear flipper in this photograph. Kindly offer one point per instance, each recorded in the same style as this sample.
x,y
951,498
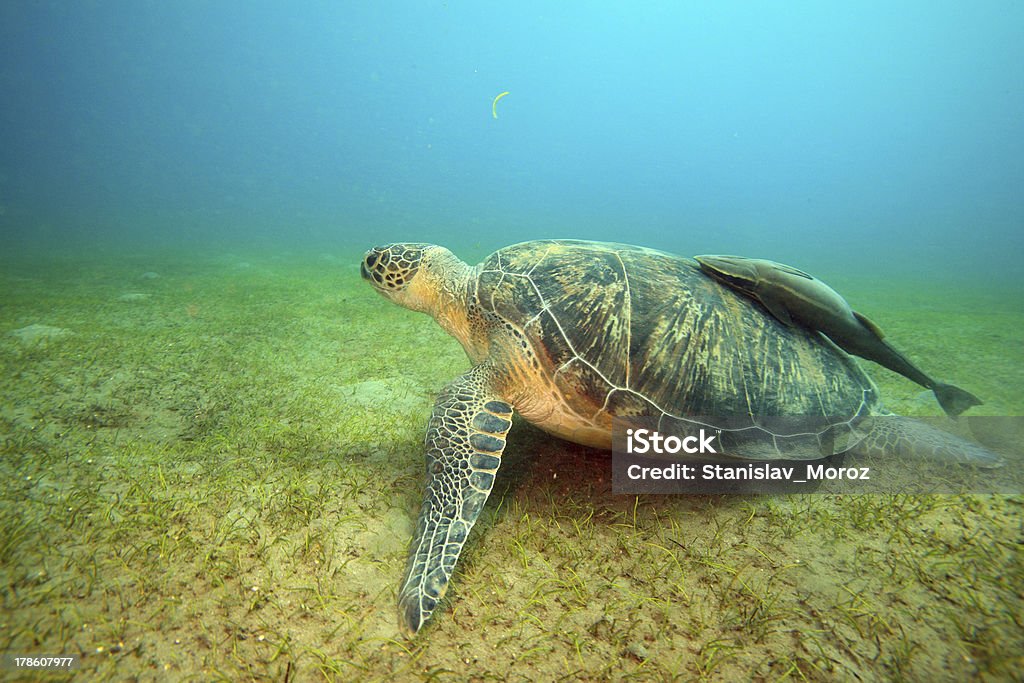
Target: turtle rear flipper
x,y
903,437
465,440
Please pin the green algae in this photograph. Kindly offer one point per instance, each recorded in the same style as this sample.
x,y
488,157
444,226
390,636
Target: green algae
x,y
217,480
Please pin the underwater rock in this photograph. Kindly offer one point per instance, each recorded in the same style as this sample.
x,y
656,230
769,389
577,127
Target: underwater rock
x,y
638,650
40,335
132,297
149,275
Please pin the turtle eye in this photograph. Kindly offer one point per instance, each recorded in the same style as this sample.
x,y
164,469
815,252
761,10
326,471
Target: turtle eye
x,y
371,259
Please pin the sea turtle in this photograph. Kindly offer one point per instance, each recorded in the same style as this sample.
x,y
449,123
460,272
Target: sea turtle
x,y
796,298
573,334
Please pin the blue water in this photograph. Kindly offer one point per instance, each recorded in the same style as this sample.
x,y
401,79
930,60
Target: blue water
x,y
875,135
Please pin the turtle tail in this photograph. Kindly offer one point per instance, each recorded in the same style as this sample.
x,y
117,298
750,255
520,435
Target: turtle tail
x,y
904,437
953,399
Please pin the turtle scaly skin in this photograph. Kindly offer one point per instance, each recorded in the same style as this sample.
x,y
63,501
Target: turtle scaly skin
x,y
465,439
573,335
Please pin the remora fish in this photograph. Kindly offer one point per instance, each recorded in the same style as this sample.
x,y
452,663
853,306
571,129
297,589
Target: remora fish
x,y
796,298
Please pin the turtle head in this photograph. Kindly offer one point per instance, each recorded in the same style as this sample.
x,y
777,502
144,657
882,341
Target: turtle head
x,y
392,270
421,277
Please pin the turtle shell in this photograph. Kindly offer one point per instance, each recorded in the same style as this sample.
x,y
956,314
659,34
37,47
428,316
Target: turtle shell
x,y
626,332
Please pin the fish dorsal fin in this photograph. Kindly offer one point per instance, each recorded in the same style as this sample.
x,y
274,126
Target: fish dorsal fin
x,y
791,270
868,324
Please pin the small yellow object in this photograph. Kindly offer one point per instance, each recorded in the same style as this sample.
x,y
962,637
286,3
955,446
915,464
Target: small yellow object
x,y
494,104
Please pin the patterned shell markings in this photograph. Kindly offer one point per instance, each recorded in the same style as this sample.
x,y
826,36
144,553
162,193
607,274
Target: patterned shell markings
x,y
563,304
631,329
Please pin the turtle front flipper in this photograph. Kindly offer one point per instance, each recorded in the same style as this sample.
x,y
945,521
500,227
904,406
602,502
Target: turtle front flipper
x,y
465,439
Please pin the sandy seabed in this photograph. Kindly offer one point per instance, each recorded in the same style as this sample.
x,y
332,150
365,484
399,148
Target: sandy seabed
x,y
212,466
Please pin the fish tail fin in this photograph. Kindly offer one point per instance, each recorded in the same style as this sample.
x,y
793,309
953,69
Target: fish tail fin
x,y
953,399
